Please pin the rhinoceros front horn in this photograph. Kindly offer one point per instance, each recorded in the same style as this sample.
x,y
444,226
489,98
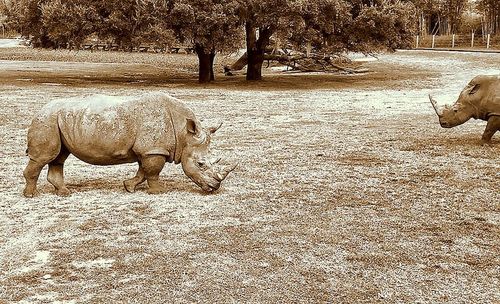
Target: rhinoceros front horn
x,y
435,105
222,174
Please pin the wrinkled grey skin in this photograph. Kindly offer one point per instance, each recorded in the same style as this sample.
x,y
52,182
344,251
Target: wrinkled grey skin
x,y
479,100
103,130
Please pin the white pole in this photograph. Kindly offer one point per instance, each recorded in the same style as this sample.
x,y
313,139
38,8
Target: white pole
x,y
417,42
488,42
453,41
472,41
433,37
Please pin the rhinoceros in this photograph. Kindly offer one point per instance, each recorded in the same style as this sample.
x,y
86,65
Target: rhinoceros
x,y
106,130
480,99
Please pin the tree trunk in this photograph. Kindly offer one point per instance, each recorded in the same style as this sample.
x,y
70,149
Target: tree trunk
x,y
254,66
256,49
205,62
212,59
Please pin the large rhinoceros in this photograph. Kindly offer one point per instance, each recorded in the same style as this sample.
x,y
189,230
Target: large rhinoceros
x,y
104,130
479,100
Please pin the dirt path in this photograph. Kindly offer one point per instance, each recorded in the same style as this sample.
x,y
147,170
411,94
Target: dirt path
x,y
347,191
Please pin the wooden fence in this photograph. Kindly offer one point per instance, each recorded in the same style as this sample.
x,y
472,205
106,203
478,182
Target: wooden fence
x,y
141,48
459,42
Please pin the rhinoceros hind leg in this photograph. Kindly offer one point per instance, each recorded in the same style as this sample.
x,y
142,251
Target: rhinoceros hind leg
x,y
44,146
31,174
492,126
56,176
152,166
131,184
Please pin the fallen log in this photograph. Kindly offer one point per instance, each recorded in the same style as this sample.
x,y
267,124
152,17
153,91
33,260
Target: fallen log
x,y
301,62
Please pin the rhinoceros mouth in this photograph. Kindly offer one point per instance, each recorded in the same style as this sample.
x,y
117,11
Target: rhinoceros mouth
x,y
445,125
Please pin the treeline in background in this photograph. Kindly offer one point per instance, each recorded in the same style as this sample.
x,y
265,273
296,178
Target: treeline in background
x,y
213,26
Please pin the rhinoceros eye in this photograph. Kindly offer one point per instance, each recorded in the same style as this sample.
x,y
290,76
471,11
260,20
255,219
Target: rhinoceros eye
x,y
474,89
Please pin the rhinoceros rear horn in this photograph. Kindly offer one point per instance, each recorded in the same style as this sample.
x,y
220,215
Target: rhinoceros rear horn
x,y
212,130
435,105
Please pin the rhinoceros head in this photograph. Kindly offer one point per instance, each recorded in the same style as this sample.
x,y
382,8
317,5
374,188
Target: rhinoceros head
x,y
462,110
197,162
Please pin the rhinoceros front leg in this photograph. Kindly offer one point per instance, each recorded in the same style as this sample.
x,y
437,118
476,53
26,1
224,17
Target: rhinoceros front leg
x,y
492,126
131,184
152,166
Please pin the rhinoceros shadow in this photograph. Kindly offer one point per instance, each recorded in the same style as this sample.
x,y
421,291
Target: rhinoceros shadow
x,y
116,186
466,141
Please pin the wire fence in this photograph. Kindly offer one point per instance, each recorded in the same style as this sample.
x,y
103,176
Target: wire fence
x,y
458,42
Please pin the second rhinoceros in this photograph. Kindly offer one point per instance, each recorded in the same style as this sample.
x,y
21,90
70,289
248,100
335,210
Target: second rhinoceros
x,y
479,100
152,129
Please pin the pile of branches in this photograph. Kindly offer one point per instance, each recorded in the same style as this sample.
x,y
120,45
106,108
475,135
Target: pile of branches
x,y
300,62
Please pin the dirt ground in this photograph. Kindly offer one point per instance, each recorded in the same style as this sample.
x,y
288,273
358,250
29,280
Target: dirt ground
x,y
348,190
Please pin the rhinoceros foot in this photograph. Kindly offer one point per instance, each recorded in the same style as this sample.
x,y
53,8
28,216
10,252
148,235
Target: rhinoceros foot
x,y
63,192
485,142
30,192
131,184
156,190
155,187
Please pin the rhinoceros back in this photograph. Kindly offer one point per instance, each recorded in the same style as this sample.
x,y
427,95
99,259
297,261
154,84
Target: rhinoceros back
x,y
106,130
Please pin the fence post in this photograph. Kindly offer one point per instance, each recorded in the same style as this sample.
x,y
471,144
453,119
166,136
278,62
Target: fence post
x,y
433,38
453,41
417,42
488,41
472,41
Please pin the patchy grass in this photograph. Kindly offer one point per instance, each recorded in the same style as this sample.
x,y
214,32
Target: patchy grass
x,y
346,193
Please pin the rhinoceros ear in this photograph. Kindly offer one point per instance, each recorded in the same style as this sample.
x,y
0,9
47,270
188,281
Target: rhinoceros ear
x,y
191,126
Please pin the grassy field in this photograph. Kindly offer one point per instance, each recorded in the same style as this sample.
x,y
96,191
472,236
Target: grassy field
x,y
348,190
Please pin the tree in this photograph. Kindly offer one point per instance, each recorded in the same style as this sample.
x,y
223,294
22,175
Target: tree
x,y
25,16
327,25
320,25
210,26
490,10
382,25
3,16
441,16
129,22
454,13
68,23
261,20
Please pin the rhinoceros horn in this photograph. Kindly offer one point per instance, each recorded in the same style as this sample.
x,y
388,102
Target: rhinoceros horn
x,y
214,129
220,175
435,106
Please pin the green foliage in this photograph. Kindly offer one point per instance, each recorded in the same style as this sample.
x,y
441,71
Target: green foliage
x,y
52,23
341,25
212,24
68,22
130,22
491,13
380,27
25,16
322,23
